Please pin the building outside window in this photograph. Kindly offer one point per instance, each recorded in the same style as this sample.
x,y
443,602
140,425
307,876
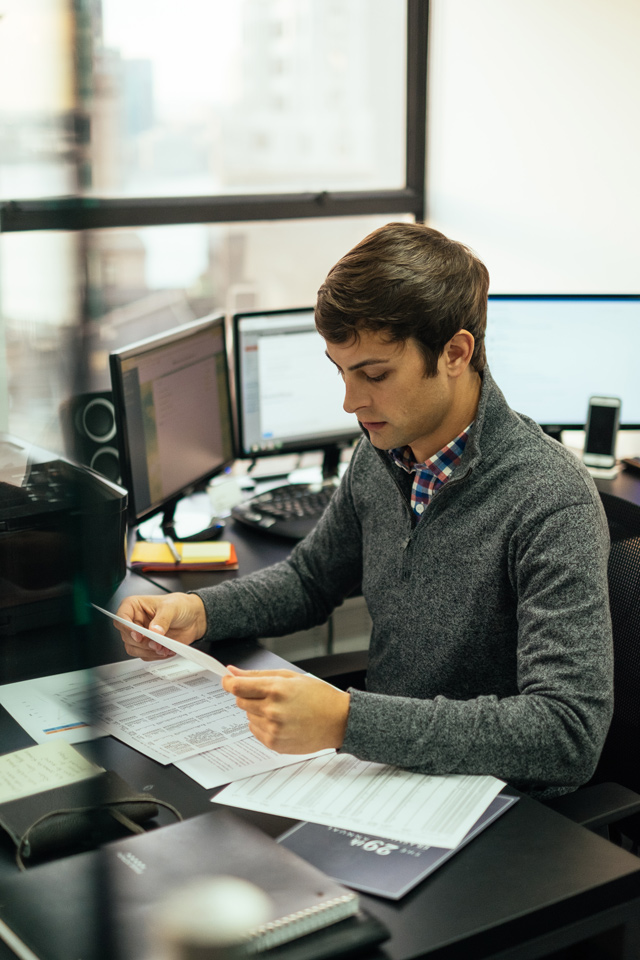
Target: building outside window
x,y
159,162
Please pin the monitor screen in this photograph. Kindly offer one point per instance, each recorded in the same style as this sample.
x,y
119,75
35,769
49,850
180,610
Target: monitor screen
x,y
289,396
549,354
173,413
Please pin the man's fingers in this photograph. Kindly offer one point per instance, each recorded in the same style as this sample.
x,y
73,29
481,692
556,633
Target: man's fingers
x,y
178,615
262,707
251,688
239,672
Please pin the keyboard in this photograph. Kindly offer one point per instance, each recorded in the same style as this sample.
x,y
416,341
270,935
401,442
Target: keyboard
x,y
291,510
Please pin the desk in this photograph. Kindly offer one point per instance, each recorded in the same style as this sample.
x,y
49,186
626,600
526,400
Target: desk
x,y
531,884
626,486
257,550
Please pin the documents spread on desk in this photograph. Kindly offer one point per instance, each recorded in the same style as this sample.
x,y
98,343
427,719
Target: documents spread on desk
x,y
341,791
238,760
49,708
176,711
167,714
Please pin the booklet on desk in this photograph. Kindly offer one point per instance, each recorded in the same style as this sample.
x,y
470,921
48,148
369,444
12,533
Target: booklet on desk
x,y
60,910
386,868
149,556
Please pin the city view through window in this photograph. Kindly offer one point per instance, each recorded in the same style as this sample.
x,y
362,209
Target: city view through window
x,y
140,98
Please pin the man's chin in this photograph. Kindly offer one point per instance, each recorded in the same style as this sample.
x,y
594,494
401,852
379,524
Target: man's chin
x,y
380,438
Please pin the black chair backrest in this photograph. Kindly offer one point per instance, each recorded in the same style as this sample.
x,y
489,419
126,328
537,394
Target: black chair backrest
x,y
621,756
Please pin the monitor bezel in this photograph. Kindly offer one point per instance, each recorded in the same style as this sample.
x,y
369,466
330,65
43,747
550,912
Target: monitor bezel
x,y
140,347
324,444
557,427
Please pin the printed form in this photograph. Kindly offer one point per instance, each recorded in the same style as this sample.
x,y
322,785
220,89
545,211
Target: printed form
x,y
341,791
238,760
49,709
168,714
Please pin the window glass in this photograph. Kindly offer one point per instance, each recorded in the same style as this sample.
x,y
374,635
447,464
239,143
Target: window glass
x,y
119,286
37,157
218,97
40,308
142,281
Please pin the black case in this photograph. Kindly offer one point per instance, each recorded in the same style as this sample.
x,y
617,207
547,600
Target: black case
x,y
62,530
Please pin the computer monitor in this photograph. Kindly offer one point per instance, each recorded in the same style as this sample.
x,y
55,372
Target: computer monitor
x,y
173,415
288,395
550,353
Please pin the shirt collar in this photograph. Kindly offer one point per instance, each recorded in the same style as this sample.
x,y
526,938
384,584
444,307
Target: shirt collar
x,y
441,463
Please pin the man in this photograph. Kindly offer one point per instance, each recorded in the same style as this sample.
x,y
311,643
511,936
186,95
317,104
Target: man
x,y
480,543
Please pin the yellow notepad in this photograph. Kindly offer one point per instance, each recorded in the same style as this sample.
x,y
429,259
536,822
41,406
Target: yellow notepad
x,y
216,551
207,554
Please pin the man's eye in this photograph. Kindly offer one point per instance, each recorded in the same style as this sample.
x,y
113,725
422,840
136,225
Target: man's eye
x,y
376,379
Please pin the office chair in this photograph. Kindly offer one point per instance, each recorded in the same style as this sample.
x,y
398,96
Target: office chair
x,y
610,802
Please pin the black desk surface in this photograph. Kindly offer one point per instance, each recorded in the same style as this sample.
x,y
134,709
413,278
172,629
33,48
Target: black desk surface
x,y
529,885
532,878
257,550
626,485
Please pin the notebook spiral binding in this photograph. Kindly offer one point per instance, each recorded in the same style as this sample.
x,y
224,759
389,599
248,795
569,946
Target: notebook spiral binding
x,y
279,931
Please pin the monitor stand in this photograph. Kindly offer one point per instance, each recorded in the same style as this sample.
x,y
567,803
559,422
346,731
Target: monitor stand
x,y
331,462
554,432
211,532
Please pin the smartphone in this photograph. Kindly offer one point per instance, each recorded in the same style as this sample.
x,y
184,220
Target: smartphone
x,y
601,431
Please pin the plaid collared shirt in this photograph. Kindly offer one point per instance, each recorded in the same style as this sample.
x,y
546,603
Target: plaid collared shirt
x,y
432,474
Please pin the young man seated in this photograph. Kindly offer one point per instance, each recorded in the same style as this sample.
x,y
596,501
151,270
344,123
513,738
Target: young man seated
x,y
480,544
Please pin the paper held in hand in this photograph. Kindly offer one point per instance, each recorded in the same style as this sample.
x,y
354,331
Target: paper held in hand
x,y
184,650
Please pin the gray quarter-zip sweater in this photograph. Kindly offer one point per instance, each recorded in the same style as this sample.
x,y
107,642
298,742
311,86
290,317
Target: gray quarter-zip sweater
x,y
491,645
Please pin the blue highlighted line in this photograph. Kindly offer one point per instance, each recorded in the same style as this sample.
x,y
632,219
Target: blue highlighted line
x,y
66,726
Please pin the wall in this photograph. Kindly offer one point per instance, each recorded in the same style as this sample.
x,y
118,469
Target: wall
x,y
534,143
534,140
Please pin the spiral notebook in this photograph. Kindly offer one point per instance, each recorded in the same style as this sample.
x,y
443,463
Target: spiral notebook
x,y
71,907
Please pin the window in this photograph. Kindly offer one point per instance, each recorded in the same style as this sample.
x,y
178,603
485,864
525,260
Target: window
x,y
211,155
185,105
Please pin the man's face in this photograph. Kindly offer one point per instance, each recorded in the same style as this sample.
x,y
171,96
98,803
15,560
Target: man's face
x,y
386,388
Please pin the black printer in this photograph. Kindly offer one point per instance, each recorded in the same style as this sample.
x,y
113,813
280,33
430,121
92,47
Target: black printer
x,y
62,537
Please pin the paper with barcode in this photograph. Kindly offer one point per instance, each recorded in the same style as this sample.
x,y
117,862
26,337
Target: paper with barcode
x,y
341,791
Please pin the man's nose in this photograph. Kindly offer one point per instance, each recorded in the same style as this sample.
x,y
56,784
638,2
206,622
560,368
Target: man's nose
x,y
354,397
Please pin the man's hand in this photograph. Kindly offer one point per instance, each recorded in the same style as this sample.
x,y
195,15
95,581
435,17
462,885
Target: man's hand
x,y
179,615
290,712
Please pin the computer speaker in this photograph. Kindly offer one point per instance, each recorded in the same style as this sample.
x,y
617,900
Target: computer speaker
x,y
89,431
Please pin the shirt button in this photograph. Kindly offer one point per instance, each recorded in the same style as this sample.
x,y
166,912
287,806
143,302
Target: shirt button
x,y
420,508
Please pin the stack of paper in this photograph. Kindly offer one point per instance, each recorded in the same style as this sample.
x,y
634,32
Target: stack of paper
x,y
176,711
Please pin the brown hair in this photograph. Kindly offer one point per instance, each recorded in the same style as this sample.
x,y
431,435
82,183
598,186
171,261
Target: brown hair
x,y
407,280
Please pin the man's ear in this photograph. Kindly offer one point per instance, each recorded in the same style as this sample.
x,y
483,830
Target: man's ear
x,y
458,352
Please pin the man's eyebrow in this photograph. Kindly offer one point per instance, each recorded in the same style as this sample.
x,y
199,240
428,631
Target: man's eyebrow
x,y
363,363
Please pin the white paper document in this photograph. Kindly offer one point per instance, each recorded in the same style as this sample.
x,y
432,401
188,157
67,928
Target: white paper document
x,y
341,791
48,765
202,659
35,706
238,760
167,710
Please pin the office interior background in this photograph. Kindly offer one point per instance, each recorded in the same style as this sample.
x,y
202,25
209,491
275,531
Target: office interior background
x,y
158,162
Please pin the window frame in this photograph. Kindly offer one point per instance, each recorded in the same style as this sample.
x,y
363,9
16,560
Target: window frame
x,y
90,213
